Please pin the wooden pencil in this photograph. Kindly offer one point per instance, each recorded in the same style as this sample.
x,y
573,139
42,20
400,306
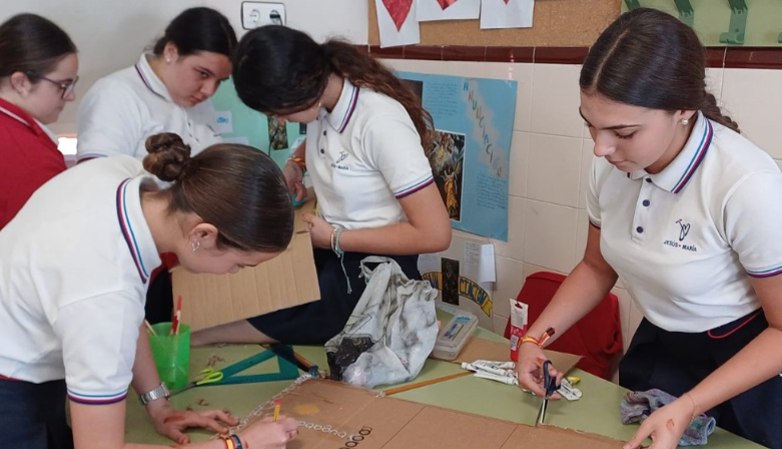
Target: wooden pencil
x,y
425,383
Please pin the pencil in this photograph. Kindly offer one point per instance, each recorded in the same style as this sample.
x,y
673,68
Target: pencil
x,y
150,328
177,316
276,409
425,383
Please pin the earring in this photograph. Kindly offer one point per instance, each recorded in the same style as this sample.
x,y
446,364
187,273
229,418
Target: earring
x,y
195,245
685,121
168,60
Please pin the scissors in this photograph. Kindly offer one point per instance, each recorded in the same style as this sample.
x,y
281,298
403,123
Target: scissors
x,y
550,384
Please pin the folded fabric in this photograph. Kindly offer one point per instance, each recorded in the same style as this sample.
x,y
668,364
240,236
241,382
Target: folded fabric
x,y
636,406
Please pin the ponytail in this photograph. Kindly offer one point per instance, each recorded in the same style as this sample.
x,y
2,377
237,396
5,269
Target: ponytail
x,y
712,111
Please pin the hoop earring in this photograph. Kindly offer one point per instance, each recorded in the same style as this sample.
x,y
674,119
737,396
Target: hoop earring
x,y
685,121
195,245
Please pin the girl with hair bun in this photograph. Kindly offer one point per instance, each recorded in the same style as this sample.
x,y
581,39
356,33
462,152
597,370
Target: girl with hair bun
x,y
74,269
686,211
38,72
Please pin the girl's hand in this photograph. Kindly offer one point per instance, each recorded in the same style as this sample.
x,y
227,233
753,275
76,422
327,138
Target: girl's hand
x,y
266,434
320,231
171,422
294,178
665,426
531,358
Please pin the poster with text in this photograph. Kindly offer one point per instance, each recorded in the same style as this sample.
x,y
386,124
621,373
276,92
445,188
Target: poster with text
x,y
470,150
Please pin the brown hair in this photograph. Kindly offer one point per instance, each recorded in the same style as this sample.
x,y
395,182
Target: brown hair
x,y
649,58
199,29
32,45
236,188
279,70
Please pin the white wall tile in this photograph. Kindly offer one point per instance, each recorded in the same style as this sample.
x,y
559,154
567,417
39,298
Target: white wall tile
x,y
752,98
519,161
532,268
514,247
714,81
524,74
555,100
587,157
557,169
509,281
499,325
550,235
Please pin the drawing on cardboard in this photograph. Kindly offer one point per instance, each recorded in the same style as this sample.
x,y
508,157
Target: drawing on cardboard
x,y
350,417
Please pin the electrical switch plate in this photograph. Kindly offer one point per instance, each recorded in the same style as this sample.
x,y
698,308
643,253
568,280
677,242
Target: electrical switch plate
x,y
256,14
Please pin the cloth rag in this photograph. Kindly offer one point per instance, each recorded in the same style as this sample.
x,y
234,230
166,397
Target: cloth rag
x,y
636,406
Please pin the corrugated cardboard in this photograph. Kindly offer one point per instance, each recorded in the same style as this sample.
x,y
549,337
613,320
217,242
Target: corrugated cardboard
x,y
331,413
287,280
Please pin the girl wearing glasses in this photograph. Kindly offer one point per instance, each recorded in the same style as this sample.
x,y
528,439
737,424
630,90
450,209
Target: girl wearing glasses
x,y
38,67
167,90
366,136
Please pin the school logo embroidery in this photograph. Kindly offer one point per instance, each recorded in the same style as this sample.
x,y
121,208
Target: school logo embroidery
x,y
684,229
342,156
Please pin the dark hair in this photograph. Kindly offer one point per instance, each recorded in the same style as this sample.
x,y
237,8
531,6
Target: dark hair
x,y
281,70
32,45
199,29
651,59
237,188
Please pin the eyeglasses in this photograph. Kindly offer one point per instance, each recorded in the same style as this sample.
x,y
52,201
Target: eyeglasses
x,y
66,86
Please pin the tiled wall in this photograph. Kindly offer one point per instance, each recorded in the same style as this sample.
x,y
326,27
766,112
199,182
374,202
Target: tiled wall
x,y
552,152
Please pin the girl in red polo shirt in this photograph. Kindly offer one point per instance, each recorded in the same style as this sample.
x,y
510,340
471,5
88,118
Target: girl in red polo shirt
x,y
38,67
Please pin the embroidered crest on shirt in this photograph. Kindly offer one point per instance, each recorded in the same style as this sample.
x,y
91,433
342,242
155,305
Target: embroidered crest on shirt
x,y
684,229
342,156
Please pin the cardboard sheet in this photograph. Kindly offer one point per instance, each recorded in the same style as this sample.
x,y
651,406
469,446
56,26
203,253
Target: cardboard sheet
x,y
334,415
287,280
481,349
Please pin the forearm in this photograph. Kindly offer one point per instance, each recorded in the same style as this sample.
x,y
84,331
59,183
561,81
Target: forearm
x,y
581,292
145,376
395,240
751,366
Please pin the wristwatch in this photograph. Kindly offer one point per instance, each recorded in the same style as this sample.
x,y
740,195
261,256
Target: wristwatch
x,y
154,394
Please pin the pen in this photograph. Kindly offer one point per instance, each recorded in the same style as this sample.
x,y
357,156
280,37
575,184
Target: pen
x,y
276,409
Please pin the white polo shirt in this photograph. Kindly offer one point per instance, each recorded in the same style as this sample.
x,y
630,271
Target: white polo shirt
x,y
686,240
363,157
120,111
74,266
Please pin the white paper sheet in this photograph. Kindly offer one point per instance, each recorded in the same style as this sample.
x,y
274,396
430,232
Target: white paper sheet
x,y
447,10
479,262
225,122
510,14
390,35
238,140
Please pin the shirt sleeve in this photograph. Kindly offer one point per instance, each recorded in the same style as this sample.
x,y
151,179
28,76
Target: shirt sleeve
x,y
99,337
110,121
393,146
753,213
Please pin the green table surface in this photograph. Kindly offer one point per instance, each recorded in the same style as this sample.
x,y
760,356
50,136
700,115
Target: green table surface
x,y
597,411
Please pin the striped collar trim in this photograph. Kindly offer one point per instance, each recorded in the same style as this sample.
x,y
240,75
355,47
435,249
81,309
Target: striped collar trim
x,y
96,399
679,172
133,227
20,115
343,111
150,79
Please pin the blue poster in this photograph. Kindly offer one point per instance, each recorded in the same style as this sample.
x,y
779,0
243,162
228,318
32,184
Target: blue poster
x,y
470,155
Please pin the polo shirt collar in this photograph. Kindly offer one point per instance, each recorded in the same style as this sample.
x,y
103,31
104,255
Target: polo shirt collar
x,y
19,114
134,228
150,79
340,116
675,176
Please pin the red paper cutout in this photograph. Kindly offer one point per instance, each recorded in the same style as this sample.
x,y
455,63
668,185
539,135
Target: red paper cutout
x,y
399,9
506,1
446,3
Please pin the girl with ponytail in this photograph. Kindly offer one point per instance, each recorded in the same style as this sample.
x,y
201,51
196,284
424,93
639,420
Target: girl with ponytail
x,y
686,211
366,135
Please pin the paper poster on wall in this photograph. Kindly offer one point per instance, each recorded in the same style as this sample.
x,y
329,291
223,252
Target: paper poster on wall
x,y
470,152
397,23
506,13
429,10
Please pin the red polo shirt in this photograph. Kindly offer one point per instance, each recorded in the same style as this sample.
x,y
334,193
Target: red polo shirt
x,y
28,158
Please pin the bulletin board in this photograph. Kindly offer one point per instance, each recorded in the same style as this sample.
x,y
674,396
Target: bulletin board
x,y
556,23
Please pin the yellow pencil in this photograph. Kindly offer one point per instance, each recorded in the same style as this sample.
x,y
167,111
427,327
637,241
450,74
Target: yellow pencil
x,y
149,327
276,409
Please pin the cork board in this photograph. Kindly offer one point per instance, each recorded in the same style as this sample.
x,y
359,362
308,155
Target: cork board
x,y
556,23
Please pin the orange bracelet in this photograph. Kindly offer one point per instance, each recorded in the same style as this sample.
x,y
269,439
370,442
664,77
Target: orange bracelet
x,y
229,442
538,342
299,161
530,340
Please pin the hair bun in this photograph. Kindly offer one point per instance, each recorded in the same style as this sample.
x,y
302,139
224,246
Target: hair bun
x,y
168,156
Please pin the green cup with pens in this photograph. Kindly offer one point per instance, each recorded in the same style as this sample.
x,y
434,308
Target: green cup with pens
x,y
170,343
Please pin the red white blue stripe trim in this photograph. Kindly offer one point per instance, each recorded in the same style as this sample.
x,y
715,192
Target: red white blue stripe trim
x,y
700,153
411,190
766,273
127,230
349,112
94,399
146,83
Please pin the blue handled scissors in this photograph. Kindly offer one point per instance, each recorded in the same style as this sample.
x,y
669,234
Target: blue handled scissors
x,y
550,384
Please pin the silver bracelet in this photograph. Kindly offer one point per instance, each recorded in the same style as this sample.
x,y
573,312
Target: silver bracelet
x,y
154,394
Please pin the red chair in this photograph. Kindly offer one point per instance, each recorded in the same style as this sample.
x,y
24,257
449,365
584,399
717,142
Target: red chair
x,y
597,337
